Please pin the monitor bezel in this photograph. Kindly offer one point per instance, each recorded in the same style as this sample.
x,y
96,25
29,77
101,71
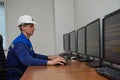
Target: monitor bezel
x,y
68,42
105,17
84,27
96,20
75,41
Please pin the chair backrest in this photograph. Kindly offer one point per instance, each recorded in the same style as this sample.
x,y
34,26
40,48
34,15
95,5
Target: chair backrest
x,y
3,69
2,55
2,60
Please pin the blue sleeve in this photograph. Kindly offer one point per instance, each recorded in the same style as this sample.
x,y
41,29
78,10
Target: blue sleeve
x,y
40,56
24,56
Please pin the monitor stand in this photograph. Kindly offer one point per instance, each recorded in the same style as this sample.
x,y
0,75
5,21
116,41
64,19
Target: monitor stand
x,y
94,63
84,59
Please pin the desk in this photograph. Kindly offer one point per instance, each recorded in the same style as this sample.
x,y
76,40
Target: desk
x,y
73,71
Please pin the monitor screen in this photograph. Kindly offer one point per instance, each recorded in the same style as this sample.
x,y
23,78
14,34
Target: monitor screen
x,y
81,41
111,33
93,38
66,42
73,41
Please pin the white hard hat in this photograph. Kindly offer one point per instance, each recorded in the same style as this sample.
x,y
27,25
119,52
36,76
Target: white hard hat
x,y
25,19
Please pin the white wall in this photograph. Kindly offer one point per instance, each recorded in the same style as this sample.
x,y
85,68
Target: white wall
x,y
89,10
42,11
64,21
54,18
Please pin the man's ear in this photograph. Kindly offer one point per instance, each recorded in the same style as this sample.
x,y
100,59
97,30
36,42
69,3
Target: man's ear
x,y
22,28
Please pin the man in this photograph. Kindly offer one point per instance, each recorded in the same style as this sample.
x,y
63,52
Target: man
x,y
21,53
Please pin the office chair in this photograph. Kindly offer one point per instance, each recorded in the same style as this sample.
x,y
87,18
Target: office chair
x,y
2,62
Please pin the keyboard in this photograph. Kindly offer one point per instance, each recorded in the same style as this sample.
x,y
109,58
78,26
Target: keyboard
x,y
84,59
66,56
109,72
62,54
94,64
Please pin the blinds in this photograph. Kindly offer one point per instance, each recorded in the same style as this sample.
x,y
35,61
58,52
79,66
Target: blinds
x,y
2,22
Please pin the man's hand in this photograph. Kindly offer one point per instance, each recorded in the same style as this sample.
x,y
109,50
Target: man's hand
x,y
57,60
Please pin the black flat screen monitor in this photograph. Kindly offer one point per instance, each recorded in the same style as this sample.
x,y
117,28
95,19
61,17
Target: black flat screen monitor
x,y
73,41
111,33
66,42
93,39
81,41
93,43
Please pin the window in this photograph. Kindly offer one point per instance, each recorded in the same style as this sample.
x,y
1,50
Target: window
x,y
2,23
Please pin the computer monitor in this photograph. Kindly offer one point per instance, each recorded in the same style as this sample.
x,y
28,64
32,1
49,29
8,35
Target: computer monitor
x,y
73,45
81,44
111,37
73,41
66,45
93,48
81,41
66,42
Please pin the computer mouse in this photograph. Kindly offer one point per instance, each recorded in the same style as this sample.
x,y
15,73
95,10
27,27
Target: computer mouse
x,y
61,64
73,57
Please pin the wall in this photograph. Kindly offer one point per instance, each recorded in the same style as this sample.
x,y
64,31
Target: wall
x,y
42,11
54,18
89,10
64,21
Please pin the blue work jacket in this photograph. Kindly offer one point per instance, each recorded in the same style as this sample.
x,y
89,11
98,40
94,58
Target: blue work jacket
x,y
21,55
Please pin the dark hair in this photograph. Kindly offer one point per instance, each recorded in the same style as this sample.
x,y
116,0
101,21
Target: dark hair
x,y
23,24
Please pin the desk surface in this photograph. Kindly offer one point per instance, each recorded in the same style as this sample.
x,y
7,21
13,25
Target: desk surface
x,y
73,71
